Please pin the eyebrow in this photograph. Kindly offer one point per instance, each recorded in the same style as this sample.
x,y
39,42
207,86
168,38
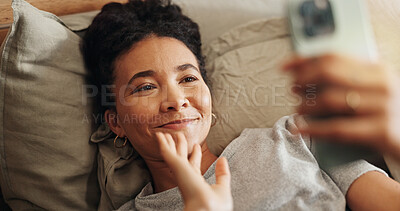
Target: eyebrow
x,y
149,73
142,74
187,66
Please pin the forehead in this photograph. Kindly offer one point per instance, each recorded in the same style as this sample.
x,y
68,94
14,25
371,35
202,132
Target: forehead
x,y
154,53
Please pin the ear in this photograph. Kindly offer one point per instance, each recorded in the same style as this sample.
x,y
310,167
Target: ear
x,y
113,122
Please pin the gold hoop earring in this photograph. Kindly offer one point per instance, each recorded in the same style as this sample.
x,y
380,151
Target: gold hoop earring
x,y
121,146
215,117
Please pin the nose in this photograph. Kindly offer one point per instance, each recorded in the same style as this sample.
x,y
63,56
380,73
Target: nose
x,y
174,99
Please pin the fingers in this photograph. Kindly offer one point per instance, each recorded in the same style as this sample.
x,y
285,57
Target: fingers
x,y
222,173
362,130
167,148
163,144
295,62
338,70
171,143
177,153
333,100
191,183
181,145
195,158
167,144
333,85
223,180
187,171
358,96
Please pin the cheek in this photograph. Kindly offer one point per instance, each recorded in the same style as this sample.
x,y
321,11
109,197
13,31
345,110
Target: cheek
x,y
139,114
202,103
202,100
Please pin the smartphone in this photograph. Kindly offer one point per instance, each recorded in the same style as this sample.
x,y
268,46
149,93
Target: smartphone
x,y
333,26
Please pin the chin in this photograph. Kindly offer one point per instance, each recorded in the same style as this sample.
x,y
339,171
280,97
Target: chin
x,y
192,139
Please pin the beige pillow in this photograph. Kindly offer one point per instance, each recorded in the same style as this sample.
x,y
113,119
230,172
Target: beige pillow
x,y
47,161
248,88
122,173
216,17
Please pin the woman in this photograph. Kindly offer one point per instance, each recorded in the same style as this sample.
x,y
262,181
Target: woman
x,y
149,56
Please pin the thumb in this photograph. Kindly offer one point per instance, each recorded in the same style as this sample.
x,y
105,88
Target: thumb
x,y
222,173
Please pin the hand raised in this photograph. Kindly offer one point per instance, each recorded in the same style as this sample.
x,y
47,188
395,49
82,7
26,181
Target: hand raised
x,y
196,192
361,98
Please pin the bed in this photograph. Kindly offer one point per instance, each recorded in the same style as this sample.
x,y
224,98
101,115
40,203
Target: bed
x,y
49,157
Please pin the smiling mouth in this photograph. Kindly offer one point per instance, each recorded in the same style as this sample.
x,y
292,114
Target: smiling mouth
x,y
178,124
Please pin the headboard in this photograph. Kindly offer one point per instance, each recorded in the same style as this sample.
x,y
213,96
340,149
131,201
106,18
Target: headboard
x,y
58,7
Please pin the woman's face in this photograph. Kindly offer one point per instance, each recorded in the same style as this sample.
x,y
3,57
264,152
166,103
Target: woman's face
x,y
158,87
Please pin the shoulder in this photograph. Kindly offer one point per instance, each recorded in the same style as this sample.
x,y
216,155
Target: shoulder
x,y
288,124
284,131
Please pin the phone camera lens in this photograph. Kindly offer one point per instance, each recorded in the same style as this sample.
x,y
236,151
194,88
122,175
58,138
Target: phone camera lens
x,y
317,20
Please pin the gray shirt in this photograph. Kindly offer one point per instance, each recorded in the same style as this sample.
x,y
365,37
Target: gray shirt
x,y
272,169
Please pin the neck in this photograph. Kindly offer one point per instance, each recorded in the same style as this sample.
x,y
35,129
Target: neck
x,y
164,179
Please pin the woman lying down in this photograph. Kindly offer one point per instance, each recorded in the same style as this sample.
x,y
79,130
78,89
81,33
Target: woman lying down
x,y
149,53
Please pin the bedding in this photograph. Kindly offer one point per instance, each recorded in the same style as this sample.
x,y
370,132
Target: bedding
x,y
121,171
45,128
216,17
47,161
248,88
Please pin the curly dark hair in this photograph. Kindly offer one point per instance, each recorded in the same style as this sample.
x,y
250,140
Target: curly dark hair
x,y
119,26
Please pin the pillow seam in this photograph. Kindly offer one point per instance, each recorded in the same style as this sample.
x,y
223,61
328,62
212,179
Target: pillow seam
x,y
4,67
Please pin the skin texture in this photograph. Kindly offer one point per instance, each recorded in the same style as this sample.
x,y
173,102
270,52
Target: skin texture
x,y
196,192
174,91
373,122
374,191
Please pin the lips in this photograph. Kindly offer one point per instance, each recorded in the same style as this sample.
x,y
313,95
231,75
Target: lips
x,y
178,124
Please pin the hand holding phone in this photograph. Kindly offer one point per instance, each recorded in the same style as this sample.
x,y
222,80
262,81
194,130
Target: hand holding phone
x,y
333,27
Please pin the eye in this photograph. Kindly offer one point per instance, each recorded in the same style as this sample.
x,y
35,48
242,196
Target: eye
x,y
189,79
144,88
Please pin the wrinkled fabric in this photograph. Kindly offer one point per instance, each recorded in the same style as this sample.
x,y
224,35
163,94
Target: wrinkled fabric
x,y
249,90
121,172
46,159
272,169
